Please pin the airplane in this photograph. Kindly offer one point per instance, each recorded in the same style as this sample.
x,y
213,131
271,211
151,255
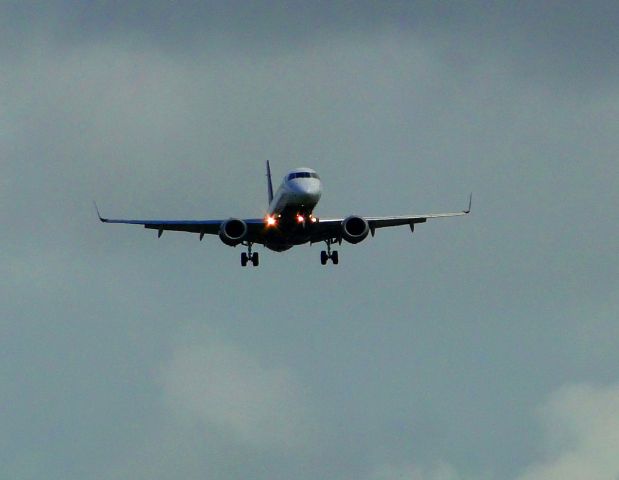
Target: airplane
x,y
289,221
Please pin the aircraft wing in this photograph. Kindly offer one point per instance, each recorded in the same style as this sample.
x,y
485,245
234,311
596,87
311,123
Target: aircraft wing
x,y
203,227
331,228
380,222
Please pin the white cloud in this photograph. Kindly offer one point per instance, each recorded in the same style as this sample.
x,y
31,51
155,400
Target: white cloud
x,y
581,441
581,426
229,391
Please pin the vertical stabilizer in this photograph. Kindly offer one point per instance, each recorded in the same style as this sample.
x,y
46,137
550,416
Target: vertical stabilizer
x,y
269,182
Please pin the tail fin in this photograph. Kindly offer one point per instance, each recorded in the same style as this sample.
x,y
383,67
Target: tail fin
x,y
269,182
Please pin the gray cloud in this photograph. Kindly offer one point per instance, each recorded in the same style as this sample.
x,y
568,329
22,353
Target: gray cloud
x,y
420,355
226,389
572,43
410,472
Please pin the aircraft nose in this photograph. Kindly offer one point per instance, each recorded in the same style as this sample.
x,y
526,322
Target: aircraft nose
x,y
307,187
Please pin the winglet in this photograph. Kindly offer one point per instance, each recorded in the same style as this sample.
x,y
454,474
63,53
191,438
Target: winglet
x,y
98,214
468,210
269,182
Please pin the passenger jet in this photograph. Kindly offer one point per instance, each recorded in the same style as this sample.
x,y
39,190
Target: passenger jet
x,y
289,221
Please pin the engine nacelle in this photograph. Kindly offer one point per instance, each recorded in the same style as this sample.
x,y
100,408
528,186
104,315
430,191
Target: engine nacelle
x,y
355,229
233,231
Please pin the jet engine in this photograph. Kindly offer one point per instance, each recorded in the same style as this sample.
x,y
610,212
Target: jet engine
x,y
233,231
355,229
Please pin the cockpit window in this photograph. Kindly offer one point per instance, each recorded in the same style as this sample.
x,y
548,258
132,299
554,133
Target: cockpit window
x,y
294,175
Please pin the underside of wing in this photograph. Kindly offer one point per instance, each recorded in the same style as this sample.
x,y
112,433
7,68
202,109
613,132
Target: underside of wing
x,y
193,226
381,222
202,227
356,228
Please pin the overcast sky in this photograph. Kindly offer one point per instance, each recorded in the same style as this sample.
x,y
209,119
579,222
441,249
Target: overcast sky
x,y
482,347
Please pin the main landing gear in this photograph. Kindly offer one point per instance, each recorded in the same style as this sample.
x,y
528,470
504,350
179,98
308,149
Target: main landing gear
x,y
326,255
249,257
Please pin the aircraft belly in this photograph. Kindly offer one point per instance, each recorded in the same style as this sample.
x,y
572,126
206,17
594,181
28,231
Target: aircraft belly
x,y
278,247
280,241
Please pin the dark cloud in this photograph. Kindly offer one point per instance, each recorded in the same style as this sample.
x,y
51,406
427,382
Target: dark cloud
x,y
574,43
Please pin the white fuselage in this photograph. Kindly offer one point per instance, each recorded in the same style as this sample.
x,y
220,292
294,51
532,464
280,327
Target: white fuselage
x,y
298,193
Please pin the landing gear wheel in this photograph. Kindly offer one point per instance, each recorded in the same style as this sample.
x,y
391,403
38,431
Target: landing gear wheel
x,y
249,256
328,254
335,257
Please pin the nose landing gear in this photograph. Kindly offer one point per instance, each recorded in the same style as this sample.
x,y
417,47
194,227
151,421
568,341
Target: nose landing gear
x,y
326,255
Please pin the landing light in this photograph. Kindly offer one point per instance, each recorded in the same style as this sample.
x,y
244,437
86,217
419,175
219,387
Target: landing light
x,y
300,218
271,221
